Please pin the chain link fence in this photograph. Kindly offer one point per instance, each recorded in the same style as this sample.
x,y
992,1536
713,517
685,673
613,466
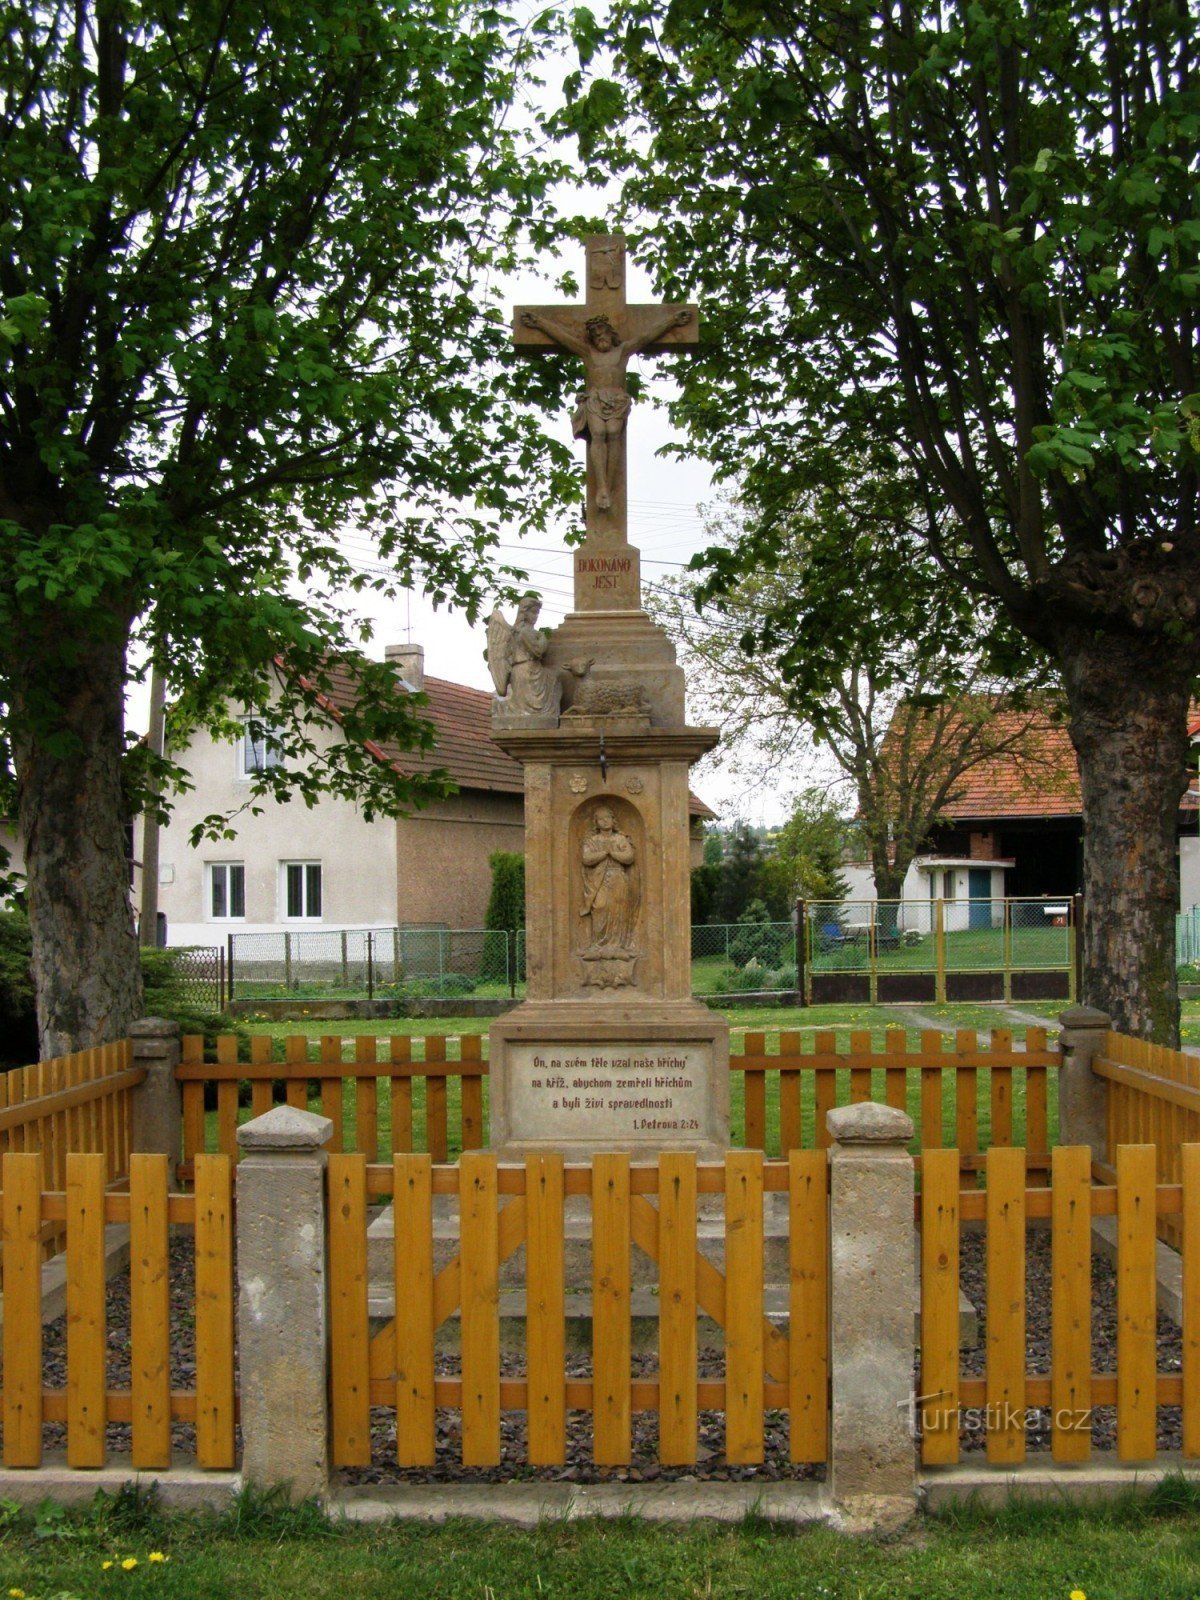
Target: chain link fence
x,y
436,962
731,958
350,963
1187,938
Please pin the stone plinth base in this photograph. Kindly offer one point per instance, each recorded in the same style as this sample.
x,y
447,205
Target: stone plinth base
x,y
583,1076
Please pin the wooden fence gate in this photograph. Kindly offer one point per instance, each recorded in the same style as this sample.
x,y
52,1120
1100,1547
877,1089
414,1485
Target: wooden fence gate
x,y
654,1208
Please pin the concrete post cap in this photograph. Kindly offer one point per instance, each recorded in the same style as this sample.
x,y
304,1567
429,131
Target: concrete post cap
x,y
154,1028
285,1128
1080,1017
868,1123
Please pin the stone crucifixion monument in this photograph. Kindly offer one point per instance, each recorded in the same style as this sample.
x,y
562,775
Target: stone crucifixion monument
x,y
609,1051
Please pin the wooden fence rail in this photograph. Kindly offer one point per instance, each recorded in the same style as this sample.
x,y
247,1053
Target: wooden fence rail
x,y
81,1102
1153,1098
1004,1396
652,1208
963,1092
87,1404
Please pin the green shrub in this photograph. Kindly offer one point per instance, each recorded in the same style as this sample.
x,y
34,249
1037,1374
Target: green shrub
x,y
505,913
758,938
18,1006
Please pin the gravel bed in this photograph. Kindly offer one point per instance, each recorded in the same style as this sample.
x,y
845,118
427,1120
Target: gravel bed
x,y
119,1435
1037,1342
579,1467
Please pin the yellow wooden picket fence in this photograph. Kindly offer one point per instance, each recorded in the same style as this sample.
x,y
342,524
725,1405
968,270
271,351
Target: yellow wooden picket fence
x,y
1070,1389
87,1404
964,1092
652,1208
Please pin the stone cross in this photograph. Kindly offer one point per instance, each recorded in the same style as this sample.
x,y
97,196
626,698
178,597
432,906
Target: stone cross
x,y
604,333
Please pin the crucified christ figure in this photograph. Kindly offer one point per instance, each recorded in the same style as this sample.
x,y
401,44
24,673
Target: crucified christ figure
x,y
604,407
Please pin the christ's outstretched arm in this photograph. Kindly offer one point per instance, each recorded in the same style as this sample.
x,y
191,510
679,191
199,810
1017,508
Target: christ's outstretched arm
x,y
558,331
655,330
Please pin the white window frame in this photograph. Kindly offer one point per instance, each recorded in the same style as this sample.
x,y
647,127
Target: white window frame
x,y
272,756
305,869
224,869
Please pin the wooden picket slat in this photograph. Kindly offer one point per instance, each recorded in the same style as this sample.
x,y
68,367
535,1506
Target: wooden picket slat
x,y
744,1306
1190,1177
436,1135
756,1096
193,1101
366,1098
790,1116
1005,1303
400,1053
480,1310
333,1089
939,1306
611,1332
824,1044
471,1051
1002,1090
1136,1307
22,1179
296,1089
931,1108
860,1077
1071,1303
895,1082
227,1098
349,1326
262,1090
808,1306
214,1311
150,1310
87,1343
414,1325
545,1303
678,1415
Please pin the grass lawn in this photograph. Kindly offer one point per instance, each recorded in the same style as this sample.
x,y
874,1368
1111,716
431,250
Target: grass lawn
x,y
1145,1552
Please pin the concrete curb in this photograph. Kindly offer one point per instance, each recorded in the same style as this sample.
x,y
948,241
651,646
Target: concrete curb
x,y
526,1505
1067,1483
175,1488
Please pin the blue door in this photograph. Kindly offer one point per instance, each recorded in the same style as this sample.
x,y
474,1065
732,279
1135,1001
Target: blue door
x,y
979,891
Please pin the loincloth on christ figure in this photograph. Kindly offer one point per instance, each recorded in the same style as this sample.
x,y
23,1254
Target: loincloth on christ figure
x,y
601,408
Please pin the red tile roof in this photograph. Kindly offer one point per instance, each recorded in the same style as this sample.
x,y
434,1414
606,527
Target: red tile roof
x,y
463,745
1043,781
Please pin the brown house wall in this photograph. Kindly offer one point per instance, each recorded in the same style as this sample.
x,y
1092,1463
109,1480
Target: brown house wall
x,y
442,872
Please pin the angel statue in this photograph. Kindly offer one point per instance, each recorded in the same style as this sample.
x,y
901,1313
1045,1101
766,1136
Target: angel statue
x,y
525,685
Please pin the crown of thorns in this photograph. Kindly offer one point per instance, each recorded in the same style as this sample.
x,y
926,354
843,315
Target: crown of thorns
x,y
594,324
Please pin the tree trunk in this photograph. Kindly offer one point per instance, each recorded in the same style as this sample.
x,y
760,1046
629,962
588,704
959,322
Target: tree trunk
x,y
1128,701
71,820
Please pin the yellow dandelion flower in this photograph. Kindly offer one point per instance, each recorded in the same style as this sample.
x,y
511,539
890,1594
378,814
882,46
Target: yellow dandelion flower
x,y
129,1563
1077,1594
104,1566
157,1555
16,1594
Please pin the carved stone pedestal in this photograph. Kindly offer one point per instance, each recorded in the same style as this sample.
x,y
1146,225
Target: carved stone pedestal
x,y
609,1052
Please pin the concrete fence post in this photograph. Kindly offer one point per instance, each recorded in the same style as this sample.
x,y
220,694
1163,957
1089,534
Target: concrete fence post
x,y
157,1103
1082,1096
873,1477
281,1266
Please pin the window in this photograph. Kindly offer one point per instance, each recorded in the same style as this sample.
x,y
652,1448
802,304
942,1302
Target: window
x,y
302,889
226,890
258,748
948,882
